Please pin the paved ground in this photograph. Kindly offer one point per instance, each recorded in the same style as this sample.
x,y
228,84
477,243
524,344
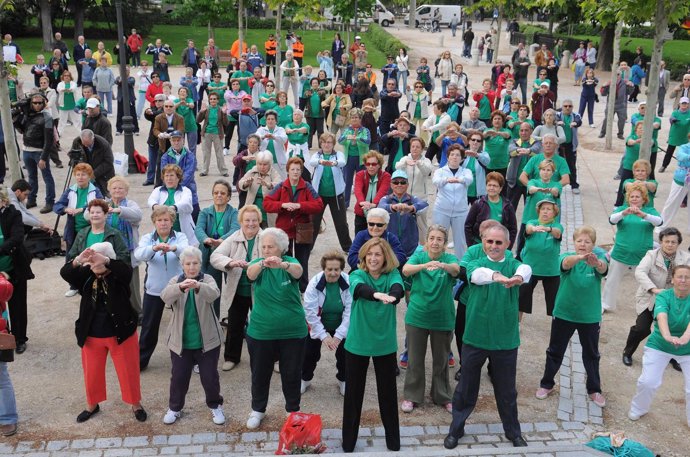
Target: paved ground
x,y
50,388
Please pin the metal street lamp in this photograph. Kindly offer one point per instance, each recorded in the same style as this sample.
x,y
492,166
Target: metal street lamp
x,y
127,125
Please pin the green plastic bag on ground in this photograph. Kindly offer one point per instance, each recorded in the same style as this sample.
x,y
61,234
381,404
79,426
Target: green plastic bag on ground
x,y
628,448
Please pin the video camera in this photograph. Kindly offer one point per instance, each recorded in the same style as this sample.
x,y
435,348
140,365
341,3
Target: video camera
x,y
20,107
75,156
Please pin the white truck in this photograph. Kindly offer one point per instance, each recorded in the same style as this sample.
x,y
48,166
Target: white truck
x,y
379,14
426,13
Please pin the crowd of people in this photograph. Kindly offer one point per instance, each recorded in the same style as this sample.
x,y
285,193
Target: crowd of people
x,y
247,268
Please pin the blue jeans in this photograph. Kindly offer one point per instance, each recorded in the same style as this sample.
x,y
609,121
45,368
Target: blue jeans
x,y
107,96
31,160
444,85
8,404
191,142
140,103
351,167
402,75
153,159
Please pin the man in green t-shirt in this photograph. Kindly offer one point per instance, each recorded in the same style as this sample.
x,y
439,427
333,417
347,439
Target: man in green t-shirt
x,y
492,332
549,148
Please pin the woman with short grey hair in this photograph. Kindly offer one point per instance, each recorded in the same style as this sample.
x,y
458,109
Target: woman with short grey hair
x,y
258,182
278,326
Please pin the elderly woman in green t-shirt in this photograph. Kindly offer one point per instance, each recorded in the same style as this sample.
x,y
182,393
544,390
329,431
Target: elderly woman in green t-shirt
x,y
669,340
277,327
430,315
578,307
376,287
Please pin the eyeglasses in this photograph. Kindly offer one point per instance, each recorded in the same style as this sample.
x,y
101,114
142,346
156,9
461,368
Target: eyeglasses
x,y
567,106
475,140
376,224
168,106
495,242
514,103
398,183
372,164
270,85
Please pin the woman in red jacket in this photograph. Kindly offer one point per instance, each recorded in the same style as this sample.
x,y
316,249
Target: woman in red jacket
x,y
371,185
295,200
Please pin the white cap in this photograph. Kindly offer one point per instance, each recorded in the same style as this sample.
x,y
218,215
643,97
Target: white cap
x,y
684,100
358,37
92,103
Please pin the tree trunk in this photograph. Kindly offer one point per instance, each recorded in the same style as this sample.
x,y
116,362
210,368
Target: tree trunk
x,y
7,127
660,31
46,25
614,82
279,37
413,14
498,33
239,26
211,31
78,11
605,51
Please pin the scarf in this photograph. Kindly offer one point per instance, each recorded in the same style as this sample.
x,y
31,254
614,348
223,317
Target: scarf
x,y
124,227
671,259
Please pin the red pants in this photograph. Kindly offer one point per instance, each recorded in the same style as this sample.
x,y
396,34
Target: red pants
x,y
126,360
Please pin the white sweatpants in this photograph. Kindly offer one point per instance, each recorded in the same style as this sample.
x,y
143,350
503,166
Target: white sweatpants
x,y
672,205
654,364
456,225
617,272
69,115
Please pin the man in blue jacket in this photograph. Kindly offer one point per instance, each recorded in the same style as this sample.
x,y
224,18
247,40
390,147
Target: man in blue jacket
x,y
403,209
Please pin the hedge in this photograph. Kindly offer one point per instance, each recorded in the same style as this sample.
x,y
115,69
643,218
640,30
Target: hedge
x,y
384,41
637,31
250,22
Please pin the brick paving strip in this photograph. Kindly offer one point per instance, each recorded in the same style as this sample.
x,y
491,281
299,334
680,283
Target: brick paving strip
x,y
577,418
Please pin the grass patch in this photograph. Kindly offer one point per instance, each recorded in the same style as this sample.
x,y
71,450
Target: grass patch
x,y
676,50
177,36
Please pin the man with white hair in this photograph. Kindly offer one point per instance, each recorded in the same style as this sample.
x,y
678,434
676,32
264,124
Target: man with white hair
x,y
549,148
290,76
570,122
96,151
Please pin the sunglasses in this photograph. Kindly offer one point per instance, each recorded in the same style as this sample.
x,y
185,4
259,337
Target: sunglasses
x,y
514,103
270,85
398,183
495,242
567,106
474,140
372,164
376,224
36,103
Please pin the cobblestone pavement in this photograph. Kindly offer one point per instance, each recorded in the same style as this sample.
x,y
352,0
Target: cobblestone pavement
x,y
544,439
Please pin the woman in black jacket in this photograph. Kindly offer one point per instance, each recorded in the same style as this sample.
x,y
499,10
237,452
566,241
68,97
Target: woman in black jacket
x,y
106,323
491,206
15,260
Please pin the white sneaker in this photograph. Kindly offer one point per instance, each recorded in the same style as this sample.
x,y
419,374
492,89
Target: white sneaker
x,y
227,366
451,245
226,152
255,419
633,417
276,367
196,369
341,385
304,386
171,416
71,293
218,415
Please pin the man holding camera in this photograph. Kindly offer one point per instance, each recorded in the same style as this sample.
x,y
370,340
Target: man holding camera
x,y
35,124
94,150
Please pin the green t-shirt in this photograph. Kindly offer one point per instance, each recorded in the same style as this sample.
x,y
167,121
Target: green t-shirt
x,y
399,152
332,311
678,134
93,238
431,303
579,294
79,221
532,167
678,312
634,237
191,329
650,194
170,201
496,209
567,129
187,114
244,287
284,115
372,329
114,219
530,210
327,183
492,309
484,107
515,131
297,137
632,153
220,92
315,105
497,147
277,313
474,252
542,249
212,124
68,101
5,260
244,83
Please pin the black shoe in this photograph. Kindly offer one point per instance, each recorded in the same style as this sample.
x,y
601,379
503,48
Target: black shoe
x,y
30,205
86,414
627,360
140,415
21,348
451,442
674,363
457,374
147,183
620,136
662,169
397,370
602,135
46,209
519,441
59,165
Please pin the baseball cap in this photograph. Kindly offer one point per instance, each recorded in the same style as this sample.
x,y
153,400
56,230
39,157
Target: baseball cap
x,y
92,103
358,37
685,100
246,97
176,133
545,83
399,174
641,104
